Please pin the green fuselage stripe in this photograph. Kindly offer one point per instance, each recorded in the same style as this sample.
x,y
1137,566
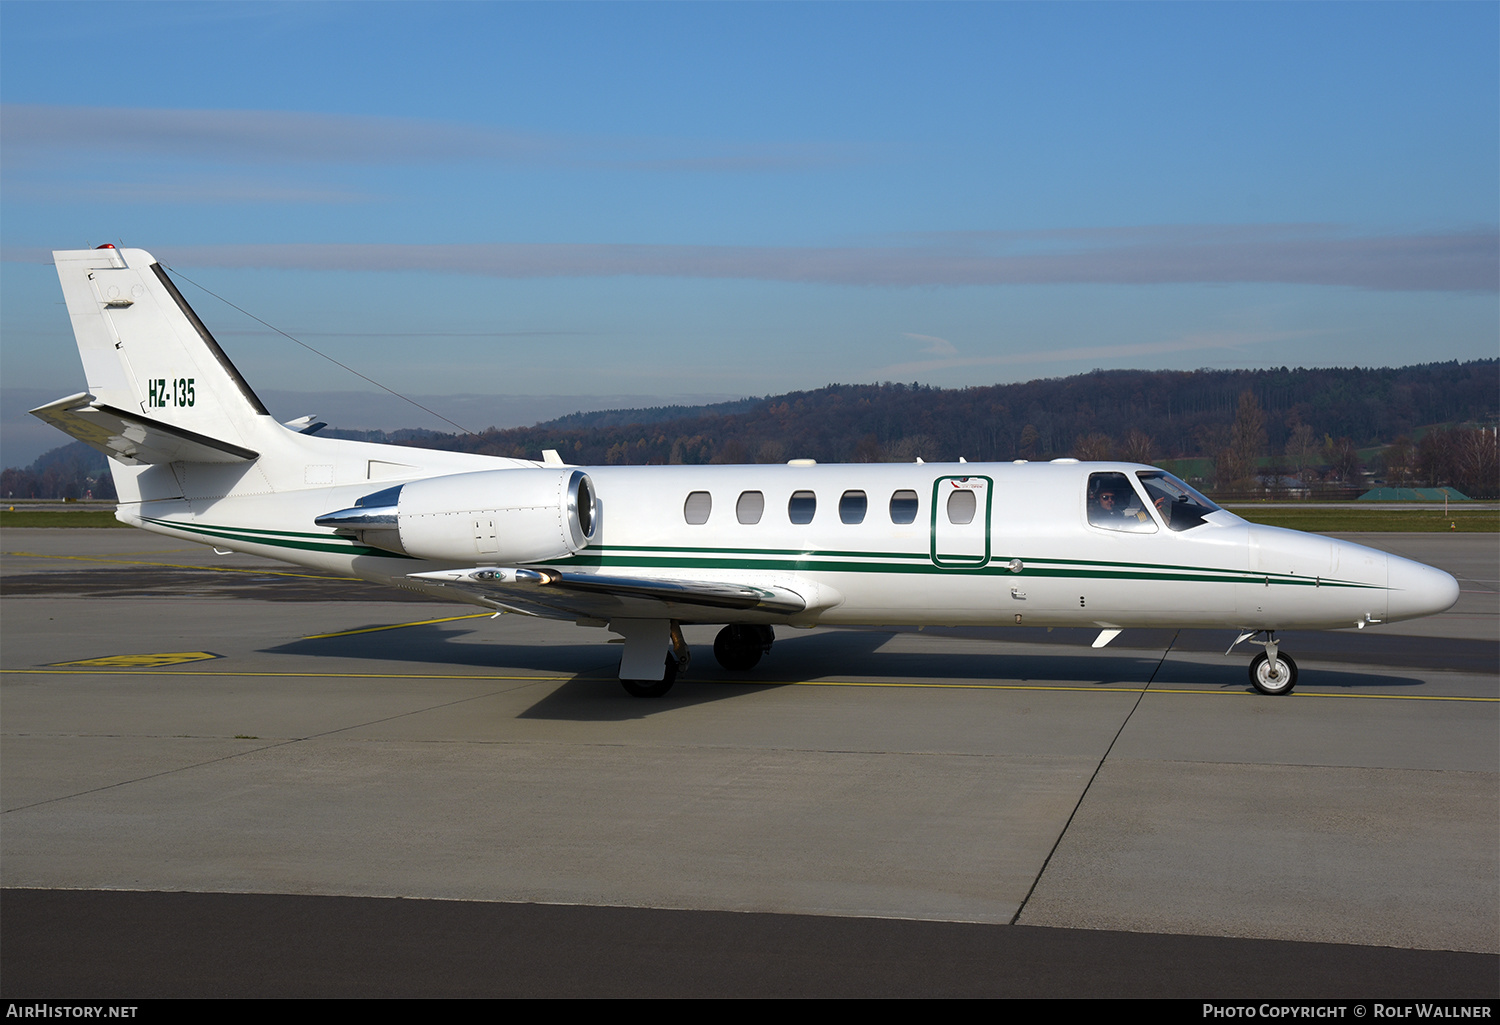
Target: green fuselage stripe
x,y
816,562
996,564
793,560
280,539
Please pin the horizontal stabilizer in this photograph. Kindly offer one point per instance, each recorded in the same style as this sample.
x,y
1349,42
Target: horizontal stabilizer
x,y
133,438
594,594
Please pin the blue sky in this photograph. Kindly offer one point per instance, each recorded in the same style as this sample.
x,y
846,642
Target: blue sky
x,y
517,210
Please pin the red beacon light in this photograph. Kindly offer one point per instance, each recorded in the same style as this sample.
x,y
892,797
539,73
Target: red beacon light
x,y
107,245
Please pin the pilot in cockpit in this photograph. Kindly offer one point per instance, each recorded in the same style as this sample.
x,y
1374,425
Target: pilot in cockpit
x,y
1114,504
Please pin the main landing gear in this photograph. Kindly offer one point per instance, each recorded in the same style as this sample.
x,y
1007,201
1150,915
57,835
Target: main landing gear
x,y
653,688
641,674
739,648
1272,671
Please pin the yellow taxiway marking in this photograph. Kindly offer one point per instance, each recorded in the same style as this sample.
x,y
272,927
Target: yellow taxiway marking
x,y
166,658
398,626
1106,689
173,565
1103,689
304,676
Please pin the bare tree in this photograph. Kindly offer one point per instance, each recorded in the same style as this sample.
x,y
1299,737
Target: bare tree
x,y
1301,447
1476,459
1343,460
1093,446
1026,449
1398,462
771,451
905,450
1247,440
1435,457
1138,447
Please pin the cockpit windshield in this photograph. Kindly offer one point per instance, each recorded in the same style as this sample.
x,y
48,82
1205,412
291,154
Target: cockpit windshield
x,y
1180,506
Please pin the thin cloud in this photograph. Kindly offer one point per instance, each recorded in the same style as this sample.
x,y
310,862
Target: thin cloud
x,y
1189,343
933,344
257,136
201,190
1132,234
36,135
411,334
1455,261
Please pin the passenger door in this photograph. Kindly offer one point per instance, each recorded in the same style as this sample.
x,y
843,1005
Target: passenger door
x,y
961,510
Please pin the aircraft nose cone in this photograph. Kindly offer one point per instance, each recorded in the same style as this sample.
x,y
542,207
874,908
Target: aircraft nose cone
x,y
1418,590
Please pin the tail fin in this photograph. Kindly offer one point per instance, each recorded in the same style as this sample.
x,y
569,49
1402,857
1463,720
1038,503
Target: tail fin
x,y
160,388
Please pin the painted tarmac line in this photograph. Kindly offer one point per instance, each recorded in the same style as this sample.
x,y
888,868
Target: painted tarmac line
x,y
173,565
313,676
398,626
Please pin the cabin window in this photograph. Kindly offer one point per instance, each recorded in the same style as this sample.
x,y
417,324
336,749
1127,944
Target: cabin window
x,y
802,506
697,507
961,506
1114,505
750,506
1180,506
904,507
852,506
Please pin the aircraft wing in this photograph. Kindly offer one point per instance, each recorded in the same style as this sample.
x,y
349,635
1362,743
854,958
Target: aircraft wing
x,y
551,592
133,438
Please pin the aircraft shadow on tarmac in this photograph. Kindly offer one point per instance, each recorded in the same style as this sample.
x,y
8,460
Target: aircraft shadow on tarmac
x,y
446,644
830,654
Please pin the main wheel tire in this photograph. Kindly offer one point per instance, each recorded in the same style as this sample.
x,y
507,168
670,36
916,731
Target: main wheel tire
x,y
1267,678
738,648
653,688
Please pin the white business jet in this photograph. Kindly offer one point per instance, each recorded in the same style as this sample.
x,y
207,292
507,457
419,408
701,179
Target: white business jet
x,y
644,549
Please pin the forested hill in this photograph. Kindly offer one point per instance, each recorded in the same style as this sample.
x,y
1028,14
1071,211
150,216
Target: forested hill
x,y
1183,413
649,415
1145,415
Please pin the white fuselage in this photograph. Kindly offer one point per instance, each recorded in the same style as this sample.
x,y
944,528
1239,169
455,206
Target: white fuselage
x,y
197,455
1029,555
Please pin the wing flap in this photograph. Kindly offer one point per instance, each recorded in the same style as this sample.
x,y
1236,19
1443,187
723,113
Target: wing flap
x,y
133,438
595,594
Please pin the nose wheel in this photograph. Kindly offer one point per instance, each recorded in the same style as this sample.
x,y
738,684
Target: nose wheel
x,y
1270,675
1272,671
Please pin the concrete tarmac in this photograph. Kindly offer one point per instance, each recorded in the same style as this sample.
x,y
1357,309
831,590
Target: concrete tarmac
x,y
336,739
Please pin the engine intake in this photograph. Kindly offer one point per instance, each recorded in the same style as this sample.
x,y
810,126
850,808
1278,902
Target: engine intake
x,y
500,516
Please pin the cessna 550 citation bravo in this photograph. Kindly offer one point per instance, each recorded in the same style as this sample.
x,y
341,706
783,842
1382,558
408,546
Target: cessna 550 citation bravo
x,y
644,549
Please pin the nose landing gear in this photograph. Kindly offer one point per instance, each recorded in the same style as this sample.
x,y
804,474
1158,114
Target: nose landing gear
x,y
1273,675
1272,671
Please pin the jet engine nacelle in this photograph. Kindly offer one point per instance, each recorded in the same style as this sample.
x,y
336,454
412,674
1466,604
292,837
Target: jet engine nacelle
x,y
500,516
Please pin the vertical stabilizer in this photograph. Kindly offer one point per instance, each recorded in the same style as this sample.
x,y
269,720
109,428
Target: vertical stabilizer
x,y
144,350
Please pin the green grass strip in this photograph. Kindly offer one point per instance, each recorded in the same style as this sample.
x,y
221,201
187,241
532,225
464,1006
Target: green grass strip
x,y
57,518
1334,521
